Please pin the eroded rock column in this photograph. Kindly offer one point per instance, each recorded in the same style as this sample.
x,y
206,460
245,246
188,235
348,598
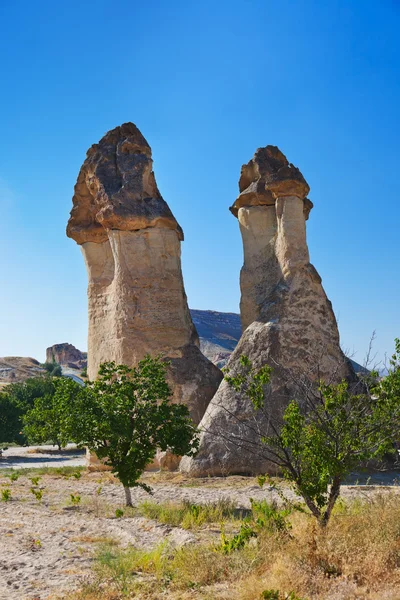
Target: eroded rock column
x,y
131,244
287,319
258,226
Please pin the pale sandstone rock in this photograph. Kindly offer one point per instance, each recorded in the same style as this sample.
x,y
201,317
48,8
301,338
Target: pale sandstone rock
x,y
131,245
287,319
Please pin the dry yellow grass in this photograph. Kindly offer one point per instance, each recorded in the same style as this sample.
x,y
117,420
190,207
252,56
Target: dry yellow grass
x,y
357,557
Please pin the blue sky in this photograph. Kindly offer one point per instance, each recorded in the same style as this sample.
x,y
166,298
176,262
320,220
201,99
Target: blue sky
x,y
207,83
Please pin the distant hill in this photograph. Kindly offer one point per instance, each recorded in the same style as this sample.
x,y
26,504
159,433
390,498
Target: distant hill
x,y
219,332
18,368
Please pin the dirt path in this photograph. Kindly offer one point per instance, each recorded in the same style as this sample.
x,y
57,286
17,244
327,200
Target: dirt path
x,y
29,457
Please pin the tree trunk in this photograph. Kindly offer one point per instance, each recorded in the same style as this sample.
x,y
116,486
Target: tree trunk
x,y
333,496
128,497
313,508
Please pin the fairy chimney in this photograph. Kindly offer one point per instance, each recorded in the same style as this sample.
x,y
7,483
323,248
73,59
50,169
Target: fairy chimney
x,y
131,243
287,319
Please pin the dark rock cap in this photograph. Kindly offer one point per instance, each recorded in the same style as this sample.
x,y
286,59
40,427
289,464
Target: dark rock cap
x,y
267,176
116,189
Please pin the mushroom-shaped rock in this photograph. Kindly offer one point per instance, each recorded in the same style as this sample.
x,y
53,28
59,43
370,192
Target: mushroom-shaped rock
x,y
266,176
131,244
287,320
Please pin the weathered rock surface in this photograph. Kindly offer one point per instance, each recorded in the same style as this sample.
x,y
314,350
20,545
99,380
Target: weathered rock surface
x,y
131,244
66,355
287,319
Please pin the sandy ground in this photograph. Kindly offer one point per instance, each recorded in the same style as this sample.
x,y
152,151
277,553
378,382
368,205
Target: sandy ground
x,y
47,546
26,457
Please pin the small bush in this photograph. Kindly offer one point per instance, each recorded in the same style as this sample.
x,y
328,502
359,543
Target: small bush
x,y
75,499
38,493
6,495
14,476
265,518
239,540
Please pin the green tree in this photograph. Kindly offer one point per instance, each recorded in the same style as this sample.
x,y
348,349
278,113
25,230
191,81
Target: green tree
x,y
52,368
124,416
328,433
15,401
10,421
48,418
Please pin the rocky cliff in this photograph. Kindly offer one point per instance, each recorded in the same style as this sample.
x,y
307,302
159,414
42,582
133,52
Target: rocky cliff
x,y
66,355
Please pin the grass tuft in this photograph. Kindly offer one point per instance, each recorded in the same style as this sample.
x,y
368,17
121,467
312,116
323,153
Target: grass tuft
x,y
188,515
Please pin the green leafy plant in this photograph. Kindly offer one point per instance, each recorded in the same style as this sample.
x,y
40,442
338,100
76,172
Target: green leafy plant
x,y
327,434
75,499
77,475
35,544
264,516
5,494
35,480
14,476
37,492
239,540
267,515
119,513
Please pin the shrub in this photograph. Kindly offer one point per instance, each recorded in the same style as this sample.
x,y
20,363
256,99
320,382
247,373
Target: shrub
x,y
327,434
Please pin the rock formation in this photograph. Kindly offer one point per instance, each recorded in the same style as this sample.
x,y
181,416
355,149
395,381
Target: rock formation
x,y
131,245
286,317
66,355
15,369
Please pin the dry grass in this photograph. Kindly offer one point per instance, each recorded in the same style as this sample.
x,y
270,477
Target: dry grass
x,y
188,515
356,557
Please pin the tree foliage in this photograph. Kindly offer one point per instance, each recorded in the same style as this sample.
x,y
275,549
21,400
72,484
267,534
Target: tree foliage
x,y
53,368
15,401
124,416
327,434
49,418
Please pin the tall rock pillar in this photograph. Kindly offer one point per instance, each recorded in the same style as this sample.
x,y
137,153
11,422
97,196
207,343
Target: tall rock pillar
x,y
287,320
131,244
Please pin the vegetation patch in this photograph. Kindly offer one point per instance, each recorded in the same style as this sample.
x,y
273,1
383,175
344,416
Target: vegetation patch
x,y
357,555
189,515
